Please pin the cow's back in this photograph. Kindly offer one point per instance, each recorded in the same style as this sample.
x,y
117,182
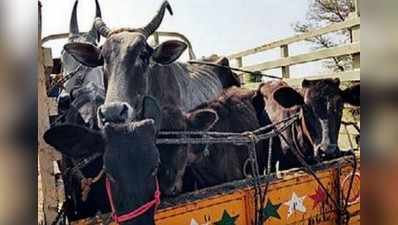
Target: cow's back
x,y
185,85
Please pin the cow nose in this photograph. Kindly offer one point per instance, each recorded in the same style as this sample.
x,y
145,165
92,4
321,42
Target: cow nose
x,y
115,112
330,150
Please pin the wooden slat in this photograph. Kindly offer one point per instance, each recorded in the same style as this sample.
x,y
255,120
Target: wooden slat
x,y
52,106
301,37
326,53
357,8
46,154
285,54
353,75
356,58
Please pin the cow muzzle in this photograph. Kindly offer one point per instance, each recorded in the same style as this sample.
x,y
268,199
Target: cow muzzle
x,y
327,151
115,112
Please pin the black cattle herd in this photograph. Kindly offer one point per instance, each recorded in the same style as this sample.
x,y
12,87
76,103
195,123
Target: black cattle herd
x,y
126,91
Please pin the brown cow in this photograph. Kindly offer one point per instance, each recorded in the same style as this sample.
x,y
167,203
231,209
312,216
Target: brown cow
x,y
232,111
320,103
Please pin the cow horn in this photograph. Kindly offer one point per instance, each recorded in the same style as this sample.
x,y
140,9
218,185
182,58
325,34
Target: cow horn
x,y
101,27
157,20
73,26
93,31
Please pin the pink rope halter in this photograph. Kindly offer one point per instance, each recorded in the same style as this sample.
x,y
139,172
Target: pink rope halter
x,y
135,213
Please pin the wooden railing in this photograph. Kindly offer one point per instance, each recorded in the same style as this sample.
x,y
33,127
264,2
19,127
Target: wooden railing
x,y
286,61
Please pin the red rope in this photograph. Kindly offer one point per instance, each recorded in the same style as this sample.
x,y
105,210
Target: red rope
x,y
135,213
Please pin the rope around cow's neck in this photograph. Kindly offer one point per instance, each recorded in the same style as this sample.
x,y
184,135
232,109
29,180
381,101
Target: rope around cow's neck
x,y
87,182
60,82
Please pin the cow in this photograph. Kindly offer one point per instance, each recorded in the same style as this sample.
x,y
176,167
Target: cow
x,y
130,158
232,111
79,74
84,198
83,93
320,104
134,69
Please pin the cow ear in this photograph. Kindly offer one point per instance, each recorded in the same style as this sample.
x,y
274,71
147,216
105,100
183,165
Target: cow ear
x,y
151,110
74,141
352,95
288,97
168,51
86,54
203,119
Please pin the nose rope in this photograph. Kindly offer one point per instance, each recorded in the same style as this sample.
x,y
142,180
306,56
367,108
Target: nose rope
x,y
137,212
87,182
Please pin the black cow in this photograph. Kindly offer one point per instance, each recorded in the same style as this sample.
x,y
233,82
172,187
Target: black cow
x,y
80,75
84,197
133,69
130,157
320,104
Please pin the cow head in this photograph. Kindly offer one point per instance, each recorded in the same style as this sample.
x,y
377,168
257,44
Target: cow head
x,y
86,100
127,59
175,158
130,155
82,105
81,73
322,107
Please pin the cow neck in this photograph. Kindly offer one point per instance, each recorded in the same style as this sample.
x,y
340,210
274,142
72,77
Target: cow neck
x,y
304,127
296,128
80,102
143,215
295,134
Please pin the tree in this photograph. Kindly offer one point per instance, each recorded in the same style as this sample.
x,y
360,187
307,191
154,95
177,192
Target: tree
x,y
320,13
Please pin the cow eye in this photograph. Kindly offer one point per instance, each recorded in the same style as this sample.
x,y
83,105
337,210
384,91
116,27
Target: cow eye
x,y
155,171
329,106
